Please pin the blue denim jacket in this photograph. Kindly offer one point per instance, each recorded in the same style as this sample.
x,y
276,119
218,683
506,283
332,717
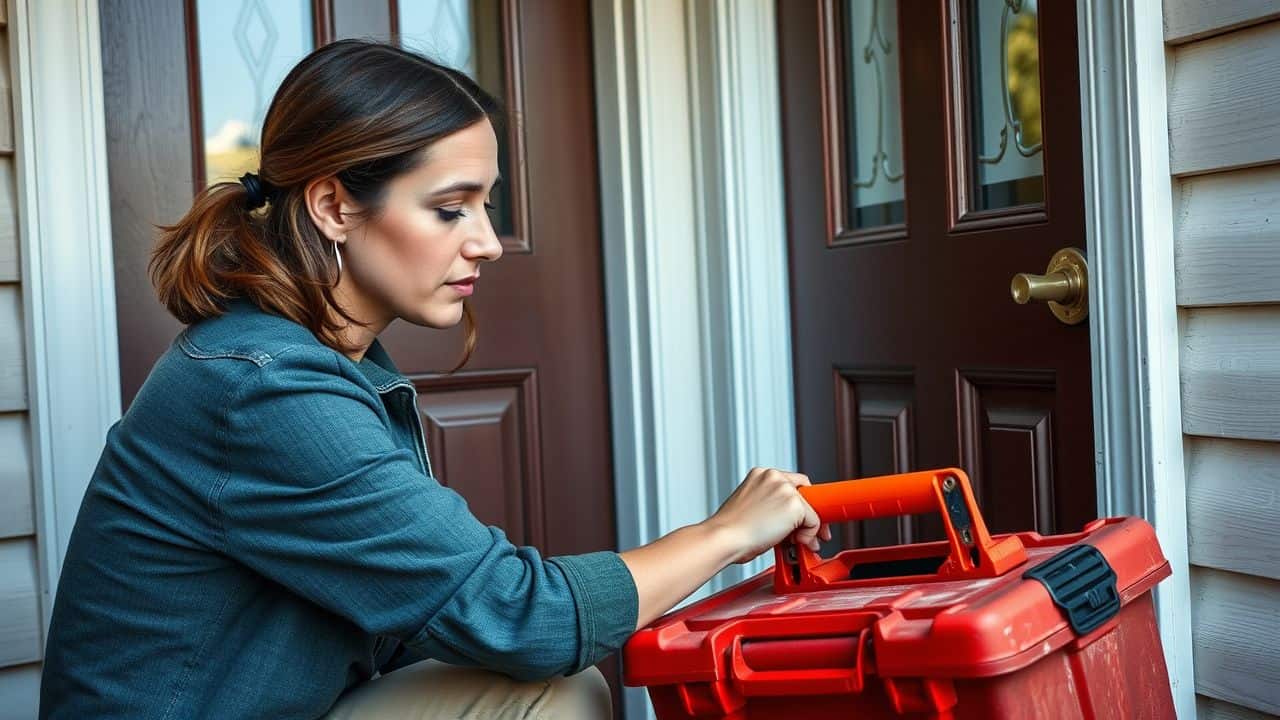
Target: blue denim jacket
x,y
263,532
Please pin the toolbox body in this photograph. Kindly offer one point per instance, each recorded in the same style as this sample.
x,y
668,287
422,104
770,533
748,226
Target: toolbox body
x,y
1016,626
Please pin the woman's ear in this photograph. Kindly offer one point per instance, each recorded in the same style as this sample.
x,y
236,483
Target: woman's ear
x,y
330,207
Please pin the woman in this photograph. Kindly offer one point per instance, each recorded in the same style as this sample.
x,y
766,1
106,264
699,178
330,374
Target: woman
x,y
263,535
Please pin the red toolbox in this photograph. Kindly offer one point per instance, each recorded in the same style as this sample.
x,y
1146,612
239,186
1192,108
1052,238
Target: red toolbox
x,y
1015,626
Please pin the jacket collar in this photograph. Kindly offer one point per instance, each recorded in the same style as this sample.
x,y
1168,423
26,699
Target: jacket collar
x,y
379,370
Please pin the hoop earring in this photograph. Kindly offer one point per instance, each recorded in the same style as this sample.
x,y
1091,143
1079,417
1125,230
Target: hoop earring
x,y
337,255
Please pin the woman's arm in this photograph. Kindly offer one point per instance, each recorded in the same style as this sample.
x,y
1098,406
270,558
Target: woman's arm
x,y
765,509
319,498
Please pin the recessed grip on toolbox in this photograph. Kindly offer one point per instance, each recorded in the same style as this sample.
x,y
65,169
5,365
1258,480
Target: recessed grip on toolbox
x,y
803,673
1082,585
973,552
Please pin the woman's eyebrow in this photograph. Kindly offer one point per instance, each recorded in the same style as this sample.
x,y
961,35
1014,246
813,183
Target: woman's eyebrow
x,y
469,186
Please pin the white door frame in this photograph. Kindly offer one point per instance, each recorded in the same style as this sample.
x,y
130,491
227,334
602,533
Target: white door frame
x,y
695,259
646,131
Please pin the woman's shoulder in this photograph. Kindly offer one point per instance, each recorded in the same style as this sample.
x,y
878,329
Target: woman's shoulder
x,y
241,365
246,332
245,352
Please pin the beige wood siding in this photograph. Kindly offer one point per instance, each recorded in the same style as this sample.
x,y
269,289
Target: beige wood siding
x,y
16,506
1186,20
1231,372
1235,622
1233,505
19,689
1224,133
13,367
21,626
19,603
9,270
1224,99
6,95
1209,709
1227,232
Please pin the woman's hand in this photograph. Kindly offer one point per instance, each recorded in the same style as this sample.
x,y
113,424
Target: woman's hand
x,y
764,510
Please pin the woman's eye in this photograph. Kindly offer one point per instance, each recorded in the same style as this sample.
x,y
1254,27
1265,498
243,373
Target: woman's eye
x,y
448,215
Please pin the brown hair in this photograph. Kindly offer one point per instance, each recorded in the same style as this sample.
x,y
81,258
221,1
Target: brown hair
x,y
361,111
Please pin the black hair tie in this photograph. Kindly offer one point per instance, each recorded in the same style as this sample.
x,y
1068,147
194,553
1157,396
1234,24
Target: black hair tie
x,y
259,191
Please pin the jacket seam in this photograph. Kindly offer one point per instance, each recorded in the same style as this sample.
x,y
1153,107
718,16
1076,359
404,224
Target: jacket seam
x,y
586,618
196,352
393,385
224,424
190,664
261,358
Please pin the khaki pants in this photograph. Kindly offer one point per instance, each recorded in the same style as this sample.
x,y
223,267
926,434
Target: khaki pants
x,y
431,690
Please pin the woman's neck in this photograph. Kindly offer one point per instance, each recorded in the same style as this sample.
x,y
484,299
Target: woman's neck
x,y
358,337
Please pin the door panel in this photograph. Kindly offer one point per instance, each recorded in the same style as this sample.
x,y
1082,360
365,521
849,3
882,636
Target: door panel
x,y
523,431
1006,430
482,433
875,431
1000,389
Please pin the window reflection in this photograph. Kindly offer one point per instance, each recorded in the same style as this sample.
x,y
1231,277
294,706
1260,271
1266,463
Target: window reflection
x,y
1004,104
872,115
467,35
246,49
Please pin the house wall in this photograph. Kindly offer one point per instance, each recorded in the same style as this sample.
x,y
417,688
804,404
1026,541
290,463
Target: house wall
x,y
1224,136
20,623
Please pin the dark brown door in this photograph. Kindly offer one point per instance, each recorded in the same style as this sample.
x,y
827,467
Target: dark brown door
x,y
933,151
523,431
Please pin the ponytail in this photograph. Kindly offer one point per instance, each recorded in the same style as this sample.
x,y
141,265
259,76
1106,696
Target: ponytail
x,y
192,258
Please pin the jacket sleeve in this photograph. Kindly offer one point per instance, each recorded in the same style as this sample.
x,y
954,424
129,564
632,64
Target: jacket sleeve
x,y
319,498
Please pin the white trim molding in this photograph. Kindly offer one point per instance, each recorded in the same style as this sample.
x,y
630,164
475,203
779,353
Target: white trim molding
x,y
742,244
695,254
650,274
67,270
651,267
695,259
1134,323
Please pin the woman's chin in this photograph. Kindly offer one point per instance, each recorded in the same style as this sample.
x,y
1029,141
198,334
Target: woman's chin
x,y
439,318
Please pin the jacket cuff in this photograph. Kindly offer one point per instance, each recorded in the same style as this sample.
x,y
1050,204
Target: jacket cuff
x,y
607,601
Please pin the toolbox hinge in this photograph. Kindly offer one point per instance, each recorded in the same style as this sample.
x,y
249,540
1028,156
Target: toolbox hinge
x,y
1082,584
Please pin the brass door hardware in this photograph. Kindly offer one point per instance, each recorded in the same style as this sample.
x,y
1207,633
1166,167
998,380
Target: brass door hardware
x,y
1064,285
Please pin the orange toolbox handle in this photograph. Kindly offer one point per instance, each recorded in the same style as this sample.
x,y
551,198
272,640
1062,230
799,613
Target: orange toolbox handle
x,y
972,551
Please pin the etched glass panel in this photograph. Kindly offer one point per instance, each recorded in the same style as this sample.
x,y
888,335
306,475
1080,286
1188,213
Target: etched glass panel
x,y
1006,151
467,35
246,49
872,115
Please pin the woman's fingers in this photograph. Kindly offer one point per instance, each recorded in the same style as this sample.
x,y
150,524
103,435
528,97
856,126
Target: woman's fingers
x,y
808,526
796,479
807,531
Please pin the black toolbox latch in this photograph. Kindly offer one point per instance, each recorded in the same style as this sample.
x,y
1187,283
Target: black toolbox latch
x,y
1082,584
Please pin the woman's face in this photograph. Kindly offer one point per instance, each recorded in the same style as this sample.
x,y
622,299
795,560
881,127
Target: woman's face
x,y
420,255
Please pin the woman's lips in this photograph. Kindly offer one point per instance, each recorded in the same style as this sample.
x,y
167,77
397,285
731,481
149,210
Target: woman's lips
x,y
464,287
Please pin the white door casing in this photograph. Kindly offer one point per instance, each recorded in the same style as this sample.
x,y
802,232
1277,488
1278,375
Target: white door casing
x,y
1133,324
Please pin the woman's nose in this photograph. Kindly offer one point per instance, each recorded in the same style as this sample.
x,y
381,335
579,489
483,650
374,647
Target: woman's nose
x,y
485,247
